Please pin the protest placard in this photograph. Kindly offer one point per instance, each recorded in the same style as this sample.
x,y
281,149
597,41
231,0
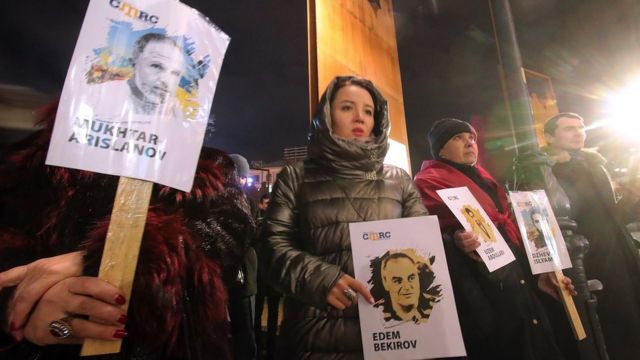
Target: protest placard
x,y
403,263
544,245
493,249
138,93
542,239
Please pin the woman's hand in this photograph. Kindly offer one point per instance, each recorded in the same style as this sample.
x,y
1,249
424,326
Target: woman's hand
x,y
33,280
548,284
467,242
73,296
338,297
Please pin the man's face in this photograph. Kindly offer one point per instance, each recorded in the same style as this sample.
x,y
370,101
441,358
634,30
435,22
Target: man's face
x,y
264,204
461,149
569,135
158,70
400,279
537,221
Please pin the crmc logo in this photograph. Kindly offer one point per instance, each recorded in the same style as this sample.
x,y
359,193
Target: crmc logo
x,y
133,12
377,235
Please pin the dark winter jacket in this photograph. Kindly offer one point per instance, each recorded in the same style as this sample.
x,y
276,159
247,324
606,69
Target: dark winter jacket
x,y
191,243
500,314
307,231
612,257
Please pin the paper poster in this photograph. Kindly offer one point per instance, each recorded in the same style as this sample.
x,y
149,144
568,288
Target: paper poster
x,y
541,234
493,249
138,92
403,263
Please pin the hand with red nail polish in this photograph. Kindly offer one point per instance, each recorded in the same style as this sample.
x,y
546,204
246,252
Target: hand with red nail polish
x,y
119,334
52,288
32,281
88,296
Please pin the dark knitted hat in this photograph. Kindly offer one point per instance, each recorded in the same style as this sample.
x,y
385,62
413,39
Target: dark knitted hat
x,y
443,130
242,165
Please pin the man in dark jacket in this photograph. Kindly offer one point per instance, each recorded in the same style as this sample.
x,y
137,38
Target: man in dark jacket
x,y
612,257
242,293
267,291
500,315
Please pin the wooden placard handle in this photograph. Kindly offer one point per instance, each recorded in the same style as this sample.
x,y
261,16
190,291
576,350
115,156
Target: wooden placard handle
x,y
121,249
570,308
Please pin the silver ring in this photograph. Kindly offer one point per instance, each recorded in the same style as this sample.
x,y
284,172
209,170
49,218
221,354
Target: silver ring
x,y
61,328
350,294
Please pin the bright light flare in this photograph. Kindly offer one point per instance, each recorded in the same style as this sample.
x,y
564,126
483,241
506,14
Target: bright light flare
x,y
623,111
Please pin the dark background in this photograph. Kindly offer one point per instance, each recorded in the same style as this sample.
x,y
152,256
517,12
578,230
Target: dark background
x,y
446,49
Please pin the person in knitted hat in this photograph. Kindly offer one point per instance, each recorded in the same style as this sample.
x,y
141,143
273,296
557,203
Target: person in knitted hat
x,y
444,130
242,167
243,291
494,308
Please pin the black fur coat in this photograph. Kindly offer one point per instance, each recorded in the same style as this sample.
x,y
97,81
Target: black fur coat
x,y
192,246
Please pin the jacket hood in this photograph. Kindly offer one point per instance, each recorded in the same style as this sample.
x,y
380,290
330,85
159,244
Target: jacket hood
x,y
344,157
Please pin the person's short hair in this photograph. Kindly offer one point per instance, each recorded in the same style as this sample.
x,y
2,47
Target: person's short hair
x,y
144,40
426,278
551,124
264,197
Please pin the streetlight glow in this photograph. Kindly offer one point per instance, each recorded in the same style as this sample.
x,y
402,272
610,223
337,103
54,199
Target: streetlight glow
x,y
623,111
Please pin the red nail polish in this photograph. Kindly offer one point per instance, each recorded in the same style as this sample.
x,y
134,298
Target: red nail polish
x,y
120,300
123,319
119,334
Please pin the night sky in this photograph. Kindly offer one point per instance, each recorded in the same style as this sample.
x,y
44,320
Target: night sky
x,y
447,57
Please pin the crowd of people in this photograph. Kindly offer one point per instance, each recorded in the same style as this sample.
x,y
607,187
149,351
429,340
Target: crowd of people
x,y
209,257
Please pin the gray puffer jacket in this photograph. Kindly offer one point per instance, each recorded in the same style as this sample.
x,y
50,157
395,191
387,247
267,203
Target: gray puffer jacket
x,y
307,231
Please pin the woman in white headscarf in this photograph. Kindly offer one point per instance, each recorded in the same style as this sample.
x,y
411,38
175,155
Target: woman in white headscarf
x,y
307,224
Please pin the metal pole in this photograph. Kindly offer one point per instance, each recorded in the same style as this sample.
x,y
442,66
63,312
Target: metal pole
x,y
514,82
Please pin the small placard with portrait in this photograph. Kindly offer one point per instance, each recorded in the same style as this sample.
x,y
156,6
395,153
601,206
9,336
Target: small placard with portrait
x,y
493,249
403,263
541,234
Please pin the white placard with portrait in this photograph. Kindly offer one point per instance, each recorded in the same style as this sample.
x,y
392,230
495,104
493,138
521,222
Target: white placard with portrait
x,y
493,249
138,92
540,231
402,262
